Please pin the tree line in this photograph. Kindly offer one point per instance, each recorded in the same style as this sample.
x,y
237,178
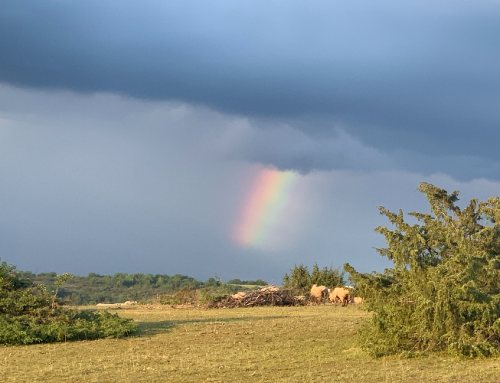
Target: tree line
x,y
121,287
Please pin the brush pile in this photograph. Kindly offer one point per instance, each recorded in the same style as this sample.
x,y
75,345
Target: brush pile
x,y
266,296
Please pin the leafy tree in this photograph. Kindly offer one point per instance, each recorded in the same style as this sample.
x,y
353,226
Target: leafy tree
x,y
443,292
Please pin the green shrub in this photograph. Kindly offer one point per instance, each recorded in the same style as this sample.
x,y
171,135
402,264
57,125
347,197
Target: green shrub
x,y
215,294
29,314
191,295
211,296
443,292
187,294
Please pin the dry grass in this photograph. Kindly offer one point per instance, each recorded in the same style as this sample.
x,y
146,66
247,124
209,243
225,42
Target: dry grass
x,y
261,344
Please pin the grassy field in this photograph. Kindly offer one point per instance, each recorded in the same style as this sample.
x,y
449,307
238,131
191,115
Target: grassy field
x,y
292,344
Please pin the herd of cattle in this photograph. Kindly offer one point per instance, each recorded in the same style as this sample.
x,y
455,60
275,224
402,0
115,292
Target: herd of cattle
x,y
341,295
318,294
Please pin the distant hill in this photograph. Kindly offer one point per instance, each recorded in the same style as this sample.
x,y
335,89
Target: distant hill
x,y
121,287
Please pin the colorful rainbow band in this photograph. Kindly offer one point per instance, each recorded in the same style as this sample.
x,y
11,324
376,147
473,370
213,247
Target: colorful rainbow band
x,y
264,205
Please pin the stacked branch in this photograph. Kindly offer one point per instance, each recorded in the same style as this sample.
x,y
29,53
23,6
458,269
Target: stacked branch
x,y
266,296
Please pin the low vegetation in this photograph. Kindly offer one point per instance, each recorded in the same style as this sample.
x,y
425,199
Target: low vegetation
x,y
443,292
29,314
121,287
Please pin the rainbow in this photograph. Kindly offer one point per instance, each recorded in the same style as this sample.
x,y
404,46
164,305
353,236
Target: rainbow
x,y
264,205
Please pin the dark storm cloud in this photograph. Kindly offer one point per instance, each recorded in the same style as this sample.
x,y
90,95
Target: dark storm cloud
x,y
395,75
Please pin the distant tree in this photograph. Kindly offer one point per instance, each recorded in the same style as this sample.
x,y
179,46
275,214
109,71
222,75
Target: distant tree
x,y
91,275
443,292
120,287
60,279
259,282
176,280
327,276
26,275
50,275
299,279
302,280
211,282
315,274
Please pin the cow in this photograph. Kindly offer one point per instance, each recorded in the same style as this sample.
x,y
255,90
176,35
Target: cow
x,y
319,293
239,295
357,300
340,294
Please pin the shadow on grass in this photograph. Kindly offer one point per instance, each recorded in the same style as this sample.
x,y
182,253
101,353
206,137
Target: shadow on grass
x,y
162,327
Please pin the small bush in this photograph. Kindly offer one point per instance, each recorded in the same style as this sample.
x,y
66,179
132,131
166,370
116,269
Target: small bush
x,y
215,294
28,314
187,294
211,296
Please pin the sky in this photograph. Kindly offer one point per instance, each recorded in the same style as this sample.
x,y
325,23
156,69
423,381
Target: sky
x,y
236,138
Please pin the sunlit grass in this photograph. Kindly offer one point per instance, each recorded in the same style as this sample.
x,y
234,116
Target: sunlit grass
x,y
292,344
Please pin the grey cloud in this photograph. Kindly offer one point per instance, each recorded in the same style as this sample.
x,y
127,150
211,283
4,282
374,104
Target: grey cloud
x,y
410,76
460,167
288,148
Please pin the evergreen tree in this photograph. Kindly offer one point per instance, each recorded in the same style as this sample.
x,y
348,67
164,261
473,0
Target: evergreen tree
x,y
287,281
302,280
327,276
443,291
315,274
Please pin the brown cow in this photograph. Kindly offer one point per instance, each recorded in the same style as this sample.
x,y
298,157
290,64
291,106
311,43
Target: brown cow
x,y
340,294
319,293
238,295
358,300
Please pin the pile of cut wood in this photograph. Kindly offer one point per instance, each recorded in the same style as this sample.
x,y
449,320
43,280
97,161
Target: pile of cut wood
x,y
265,296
